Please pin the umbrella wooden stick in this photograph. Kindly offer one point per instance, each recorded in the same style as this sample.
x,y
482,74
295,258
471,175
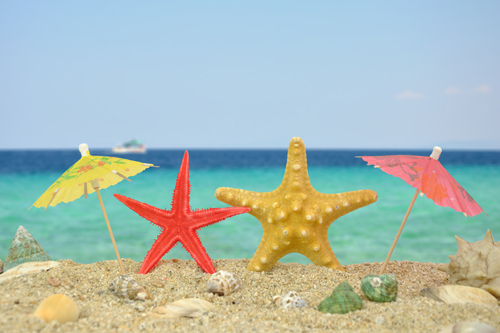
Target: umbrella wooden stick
x,y
399,232
95,185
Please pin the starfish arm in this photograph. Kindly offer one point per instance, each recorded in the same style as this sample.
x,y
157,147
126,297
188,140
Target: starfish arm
x,y
205,217
309,240
193,245
296,176
320,253
267,254
259,202
161,246
180,199
233,196
154,215
337,205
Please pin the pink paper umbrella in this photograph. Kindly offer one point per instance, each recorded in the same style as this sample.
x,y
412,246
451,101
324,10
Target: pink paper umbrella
x,y
427,175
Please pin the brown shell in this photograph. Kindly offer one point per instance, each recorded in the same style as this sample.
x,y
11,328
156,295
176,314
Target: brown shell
x,y
224,283
290,300
126,287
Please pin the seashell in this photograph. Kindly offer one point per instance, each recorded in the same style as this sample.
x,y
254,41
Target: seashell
x,y
380,289
57,307
125,286
469,327
158,284
187,307
476,264
224,283
28,268
460,294
342,300
24,248
290,300
53,281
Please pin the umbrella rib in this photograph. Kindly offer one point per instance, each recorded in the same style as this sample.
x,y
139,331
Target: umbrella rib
x,y
53,196
119,174
463,208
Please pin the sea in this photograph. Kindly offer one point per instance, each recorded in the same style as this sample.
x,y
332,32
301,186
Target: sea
x,y
77,230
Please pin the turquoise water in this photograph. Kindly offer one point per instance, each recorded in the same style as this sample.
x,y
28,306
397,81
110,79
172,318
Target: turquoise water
x,y
77,230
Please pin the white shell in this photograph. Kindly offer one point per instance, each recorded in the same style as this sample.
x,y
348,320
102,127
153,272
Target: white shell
x,y
126,287
28,268
460,294
187,307
224,283
290,300
469,327
476,264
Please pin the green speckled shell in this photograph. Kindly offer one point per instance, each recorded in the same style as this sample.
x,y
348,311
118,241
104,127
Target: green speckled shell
x,y
383,288
342,300
24,248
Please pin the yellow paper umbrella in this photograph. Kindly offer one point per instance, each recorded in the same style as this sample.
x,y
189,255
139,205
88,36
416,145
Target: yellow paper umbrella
x,y
88,175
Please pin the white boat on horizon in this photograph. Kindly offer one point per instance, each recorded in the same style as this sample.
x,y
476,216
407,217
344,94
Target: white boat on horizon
x,y
130,147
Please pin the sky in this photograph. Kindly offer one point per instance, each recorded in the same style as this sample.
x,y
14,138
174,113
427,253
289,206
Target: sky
x,y
250,74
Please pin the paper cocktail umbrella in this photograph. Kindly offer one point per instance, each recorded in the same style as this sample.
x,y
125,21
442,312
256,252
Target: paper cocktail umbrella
x,y
88,175
427,175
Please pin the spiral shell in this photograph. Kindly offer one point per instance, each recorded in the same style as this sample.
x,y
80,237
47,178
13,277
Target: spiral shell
x,y
224,283
290,300
24,248
126,287
476,264
383,288
342,300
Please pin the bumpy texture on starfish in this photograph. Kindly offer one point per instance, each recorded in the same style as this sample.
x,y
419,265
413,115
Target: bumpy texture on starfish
x,y
295,217
180,223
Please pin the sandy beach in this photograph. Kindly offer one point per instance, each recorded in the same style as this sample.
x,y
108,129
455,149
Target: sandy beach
x,y
250,309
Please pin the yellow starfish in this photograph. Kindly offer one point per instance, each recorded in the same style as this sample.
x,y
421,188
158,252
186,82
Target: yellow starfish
x,y
295,217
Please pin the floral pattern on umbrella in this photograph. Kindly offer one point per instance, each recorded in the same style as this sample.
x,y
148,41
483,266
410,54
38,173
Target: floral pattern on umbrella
x,y
73,182
430,177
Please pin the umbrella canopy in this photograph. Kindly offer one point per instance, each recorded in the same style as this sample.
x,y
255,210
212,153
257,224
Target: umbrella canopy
x,y
428,175
88,175
75,182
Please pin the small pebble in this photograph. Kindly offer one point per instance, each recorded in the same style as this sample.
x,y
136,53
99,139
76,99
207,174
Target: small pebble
x,y
53,281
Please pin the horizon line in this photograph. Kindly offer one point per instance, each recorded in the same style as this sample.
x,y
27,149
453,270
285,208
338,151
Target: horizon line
x,y
263,148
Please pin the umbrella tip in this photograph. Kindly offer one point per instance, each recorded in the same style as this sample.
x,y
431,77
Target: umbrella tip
x,y
436,152
84,149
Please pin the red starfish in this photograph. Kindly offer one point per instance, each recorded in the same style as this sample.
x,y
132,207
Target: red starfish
x,y
180,223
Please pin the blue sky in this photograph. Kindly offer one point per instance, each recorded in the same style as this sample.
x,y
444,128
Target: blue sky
x,y
250,74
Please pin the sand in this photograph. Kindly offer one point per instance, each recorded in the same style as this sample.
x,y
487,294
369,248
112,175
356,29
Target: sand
x,y
248,310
